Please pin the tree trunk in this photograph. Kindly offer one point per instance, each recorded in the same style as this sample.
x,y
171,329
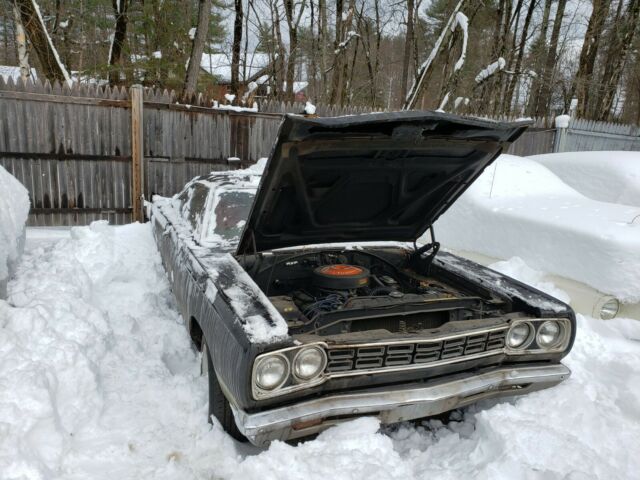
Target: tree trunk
x,y
583,79
293,46
408,44
613,69
120,8
550,62
235,52
425,70
337,59
534,94
21,44
518,65
197,47
53,69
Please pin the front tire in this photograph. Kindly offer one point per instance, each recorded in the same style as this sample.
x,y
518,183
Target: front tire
x,y
219,406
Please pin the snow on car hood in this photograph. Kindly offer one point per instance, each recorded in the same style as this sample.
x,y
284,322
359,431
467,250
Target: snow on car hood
x,y
377,177
519,208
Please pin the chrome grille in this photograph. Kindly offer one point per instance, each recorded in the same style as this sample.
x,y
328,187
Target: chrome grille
x,y
381,356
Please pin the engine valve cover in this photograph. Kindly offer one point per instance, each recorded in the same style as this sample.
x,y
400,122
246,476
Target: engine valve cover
x,y
340,277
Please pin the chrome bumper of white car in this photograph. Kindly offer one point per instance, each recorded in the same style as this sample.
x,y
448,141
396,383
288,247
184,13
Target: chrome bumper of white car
x,y
396,404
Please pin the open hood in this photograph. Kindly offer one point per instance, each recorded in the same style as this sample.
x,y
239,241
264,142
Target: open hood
x,y
368,177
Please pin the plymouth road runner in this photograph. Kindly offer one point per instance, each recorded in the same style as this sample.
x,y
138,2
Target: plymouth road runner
x,y
313,299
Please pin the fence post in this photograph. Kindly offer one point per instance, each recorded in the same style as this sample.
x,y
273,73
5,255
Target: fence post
x,y
137,153
562,125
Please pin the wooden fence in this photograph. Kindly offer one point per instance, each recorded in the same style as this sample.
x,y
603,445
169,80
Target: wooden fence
x,y
72,146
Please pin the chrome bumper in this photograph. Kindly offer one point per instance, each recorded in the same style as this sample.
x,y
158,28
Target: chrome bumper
x,y
395,404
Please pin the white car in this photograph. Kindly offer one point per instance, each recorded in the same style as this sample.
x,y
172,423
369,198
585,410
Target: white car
x,y
612,177
590,248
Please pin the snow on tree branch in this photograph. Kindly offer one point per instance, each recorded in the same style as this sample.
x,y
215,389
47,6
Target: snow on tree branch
x,y
461,21
413,94
490,70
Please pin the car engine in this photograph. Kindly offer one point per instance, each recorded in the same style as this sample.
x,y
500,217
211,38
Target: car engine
x,y
334,293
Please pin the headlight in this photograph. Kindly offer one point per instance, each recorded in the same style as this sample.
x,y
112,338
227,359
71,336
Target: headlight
x,y
309,363
272,371
519,335
549,334
609,309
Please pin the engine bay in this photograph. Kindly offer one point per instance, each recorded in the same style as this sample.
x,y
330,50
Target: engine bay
x,y
335,292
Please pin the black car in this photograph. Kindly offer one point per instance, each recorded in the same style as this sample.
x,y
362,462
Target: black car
x,y
312,300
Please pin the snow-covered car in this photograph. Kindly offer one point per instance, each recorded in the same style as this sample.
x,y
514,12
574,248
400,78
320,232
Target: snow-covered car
x,y
520,208
14,209
310,300
612,177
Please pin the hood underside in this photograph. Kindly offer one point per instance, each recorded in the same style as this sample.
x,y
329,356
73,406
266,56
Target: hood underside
x,y
368,177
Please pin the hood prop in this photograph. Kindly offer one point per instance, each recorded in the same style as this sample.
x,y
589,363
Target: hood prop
x,y
423,263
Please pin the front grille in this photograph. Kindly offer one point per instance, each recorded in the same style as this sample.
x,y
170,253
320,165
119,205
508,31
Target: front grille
x,y
382,356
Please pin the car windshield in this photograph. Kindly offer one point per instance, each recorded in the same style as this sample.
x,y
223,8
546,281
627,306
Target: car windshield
x,y
230,212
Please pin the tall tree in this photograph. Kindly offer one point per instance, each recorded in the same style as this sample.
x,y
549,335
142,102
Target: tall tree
x,y
53,69
517,70
544,100
583,79
197,47
120,8
235,49
293,21
617,58
408,45
21,43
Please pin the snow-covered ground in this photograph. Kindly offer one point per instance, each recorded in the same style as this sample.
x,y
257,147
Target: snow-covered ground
x,y
98,381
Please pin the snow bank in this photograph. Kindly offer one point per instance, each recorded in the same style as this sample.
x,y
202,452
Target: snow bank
x,y
99,381
14,209
518,207
605,176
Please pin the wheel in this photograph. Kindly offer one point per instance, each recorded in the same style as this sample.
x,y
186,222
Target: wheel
x,y
219,406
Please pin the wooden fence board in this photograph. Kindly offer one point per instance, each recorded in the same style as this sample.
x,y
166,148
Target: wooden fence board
x,y
71,147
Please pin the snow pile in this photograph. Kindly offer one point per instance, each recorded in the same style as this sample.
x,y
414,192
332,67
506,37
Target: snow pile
x,y
518,207
491,69
99,381
14,209
605,176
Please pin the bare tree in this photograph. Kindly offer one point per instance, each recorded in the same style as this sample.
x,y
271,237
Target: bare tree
x,y
236,48
408,45
583,79
197,47
120,8
617,58
293,21
21,43
544,100
46,52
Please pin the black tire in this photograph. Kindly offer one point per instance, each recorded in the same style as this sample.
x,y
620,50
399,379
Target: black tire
x,y
219,406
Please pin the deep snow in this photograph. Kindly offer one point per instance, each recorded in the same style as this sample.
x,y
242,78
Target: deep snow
x,y
519,207
612,177
98,381
14,208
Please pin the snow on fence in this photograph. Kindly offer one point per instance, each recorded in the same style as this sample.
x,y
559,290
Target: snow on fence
x,y
71,146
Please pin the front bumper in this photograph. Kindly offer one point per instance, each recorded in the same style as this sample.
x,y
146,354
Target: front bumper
x,y
397,403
